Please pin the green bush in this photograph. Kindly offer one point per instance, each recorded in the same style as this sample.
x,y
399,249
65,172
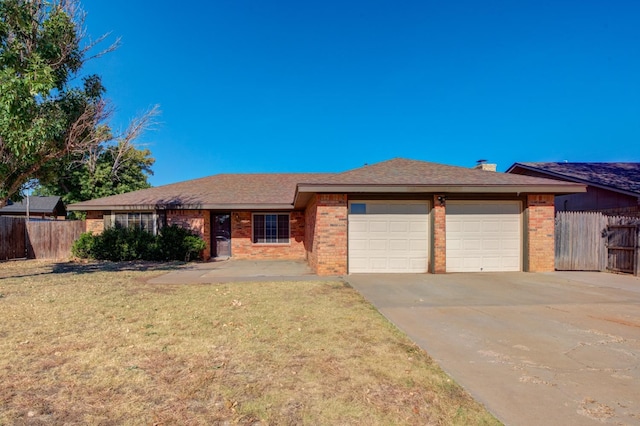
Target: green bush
x,y
121,244
177,243
83,246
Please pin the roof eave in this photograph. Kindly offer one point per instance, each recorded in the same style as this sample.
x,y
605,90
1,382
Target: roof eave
x,y
204,206
304,190
498,189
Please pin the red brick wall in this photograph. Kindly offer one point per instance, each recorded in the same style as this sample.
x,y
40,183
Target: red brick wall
x,y
326,234
242,246
439,237
198,221
540,228
95,222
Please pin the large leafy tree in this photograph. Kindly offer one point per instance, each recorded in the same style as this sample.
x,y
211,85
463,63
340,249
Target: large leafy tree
x,y
49,113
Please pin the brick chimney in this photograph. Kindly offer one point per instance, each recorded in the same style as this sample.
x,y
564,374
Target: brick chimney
x,y
483,165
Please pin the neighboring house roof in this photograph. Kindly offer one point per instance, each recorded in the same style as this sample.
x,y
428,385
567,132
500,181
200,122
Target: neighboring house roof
x,y
618,177
279,191
37,205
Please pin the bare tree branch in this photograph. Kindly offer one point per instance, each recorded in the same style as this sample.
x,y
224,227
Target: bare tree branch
x,y
136,128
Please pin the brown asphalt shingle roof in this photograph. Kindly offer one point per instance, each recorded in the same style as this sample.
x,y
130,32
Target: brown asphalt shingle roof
x,y
617,175
217,190
37,204
401,171
272,190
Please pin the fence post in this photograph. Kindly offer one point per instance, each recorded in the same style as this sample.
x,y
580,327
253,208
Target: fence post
x,y
636,269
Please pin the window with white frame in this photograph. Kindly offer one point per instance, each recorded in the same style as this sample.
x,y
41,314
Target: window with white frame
x,y
270,228
142,220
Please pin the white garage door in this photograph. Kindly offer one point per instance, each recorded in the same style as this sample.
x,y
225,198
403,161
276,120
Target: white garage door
x,y
388,236
483,236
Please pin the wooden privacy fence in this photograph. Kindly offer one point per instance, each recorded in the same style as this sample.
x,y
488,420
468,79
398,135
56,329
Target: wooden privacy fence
x,y
38,239
622,248
591,241
13,242
52,239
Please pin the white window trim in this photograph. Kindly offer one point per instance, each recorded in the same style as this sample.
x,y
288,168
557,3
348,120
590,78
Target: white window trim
x,y
154,216
288,243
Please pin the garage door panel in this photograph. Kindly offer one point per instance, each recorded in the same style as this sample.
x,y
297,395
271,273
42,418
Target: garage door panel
x,y
510,227
394,239
418,227
489,226
378,264
513,245
399,245
471,245
357,224
378,226
492,262
378,244
471,263
398,263
471,226
359,263
454,227
357,245
418,246
452,247
491,245
483,236
511,264
397,226
418,264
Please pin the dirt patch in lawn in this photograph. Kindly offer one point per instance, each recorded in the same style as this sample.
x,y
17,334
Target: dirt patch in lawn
x,y
103,347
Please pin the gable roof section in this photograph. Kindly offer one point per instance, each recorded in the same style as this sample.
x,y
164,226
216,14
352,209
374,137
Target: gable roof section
x,y
37,204
223,191
618,177
403,175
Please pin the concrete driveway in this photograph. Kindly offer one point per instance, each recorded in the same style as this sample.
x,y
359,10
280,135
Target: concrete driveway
x,y
560,348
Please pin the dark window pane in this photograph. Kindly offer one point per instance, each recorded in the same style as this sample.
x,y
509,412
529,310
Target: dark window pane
x,y
134,220
121,220
107,221
142,221
271,228
283,228
258,228
358,208
146,222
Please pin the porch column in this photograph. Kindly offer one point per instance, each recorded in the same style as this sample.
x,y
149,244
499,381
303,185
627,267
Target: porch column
x,y
439,265
540,227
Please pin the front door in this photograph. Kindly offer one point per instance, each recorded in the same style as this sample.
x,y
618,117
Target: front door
x,y
221,235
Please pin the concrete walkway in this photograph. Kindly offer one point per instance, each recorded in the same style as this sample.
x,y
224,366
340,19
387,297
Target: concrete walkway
x,y
232,270
555,349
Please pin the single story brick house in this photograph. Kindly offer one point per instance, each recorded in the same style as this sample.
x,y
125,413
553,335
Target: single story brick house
x,y
395,216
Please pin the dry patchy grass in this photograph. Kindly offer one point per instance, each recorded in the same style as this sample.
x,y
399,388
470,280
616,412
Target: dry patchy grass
x,y
98,345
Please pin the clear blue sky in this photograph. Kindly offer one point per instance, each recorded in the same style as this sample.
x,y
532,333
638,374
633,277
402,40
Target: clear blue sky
x,y
288,86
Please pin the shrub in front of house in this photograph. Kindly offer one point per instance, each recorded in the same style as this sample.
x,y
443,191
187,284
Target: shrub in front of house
x,y
122,244
83,246
177,243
